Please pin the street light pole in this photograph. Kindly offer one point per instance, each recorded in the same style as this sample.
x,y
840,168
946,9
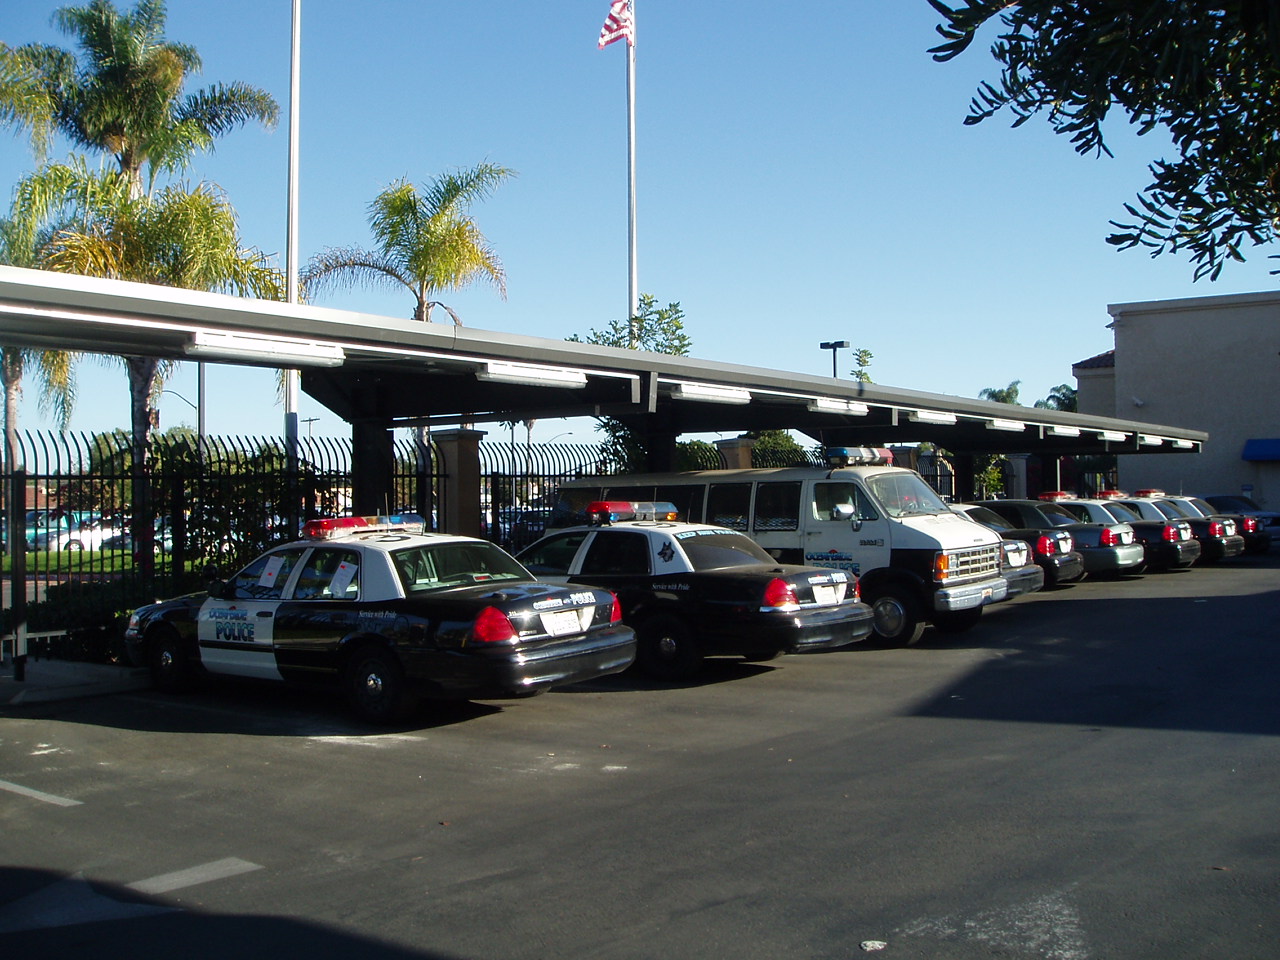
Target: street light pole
x,y
833,346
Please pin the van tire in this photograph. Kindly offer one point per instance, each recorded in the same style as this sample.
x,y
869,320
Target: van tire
x,y
897,618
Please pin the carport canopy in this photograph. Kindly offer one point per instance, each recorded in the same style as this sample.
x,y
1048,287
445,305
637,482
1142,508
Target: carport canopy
x,y
379,373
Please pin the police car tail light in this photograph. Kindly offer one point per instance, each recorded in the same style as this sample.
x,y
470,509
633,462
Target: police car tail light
x,y
1052,495
1249,524
1170,533
1112,495
492,626
1217,529
1151,492
1109,538
615,615
780,595
1046,546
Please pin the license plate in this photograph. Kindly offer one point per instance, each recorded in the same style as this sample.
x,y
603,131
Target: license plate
x,y
826,595
561,622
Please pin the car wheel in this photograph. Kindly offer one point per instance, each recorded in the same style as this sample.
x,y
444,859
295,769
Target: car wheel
x,y
666,649
172,664
376,686
74,545
897,618
956,621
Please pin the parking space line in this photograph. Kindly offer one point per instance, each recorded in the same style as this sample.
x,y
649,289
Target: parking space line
x,y
38,795
217,870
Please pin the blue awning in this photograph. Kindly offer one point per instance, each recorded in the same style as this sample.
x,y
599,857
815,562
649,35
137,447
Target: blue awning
x,y
1261,449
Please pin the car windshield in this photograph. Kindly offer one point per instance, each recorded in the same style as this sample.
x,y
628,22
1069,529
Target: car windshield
x,y
1203,507
1174,511
439,565
716,551
904,495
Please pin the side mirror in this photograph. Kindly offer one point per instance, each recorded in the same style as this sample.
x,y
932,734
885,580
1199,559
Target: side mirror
x,y
213,580
842,511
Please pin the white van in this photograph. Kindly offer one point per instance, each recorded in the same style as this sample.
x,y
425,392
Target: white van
x,y
916,560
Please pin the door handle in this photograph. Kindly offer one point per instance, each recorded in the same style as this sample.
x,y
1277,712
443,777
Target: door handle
x,y
265,613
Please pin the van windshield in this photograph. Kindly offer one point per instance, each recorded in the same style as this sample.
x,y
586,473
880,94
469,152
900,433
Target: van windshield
x,y
904,494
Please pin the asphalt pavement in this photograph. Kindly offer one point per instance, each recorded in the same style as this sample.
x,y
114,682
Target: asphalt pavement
x,y
44,681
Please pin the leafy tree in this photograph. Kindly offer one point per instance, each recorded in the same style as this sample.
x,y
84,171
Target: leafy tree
x,y
1061,397
862,360
657,330
1007,394
1207,71
124,94
425,242
777,448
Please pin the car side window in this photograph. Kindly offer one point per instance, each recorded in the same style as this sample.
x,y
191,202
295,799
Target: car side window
x,y
264,579
828,496
553,556
329,574
617,553
777,506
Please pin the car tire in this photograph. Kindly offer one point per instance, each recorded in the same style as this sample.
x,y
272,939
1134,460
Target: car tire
x,y
957,621
75,545
376,687
172,664
666,649
897,619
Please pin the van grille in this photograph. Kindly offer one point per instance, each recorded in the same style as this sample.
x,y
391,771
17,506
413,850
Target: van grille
x,y
972,563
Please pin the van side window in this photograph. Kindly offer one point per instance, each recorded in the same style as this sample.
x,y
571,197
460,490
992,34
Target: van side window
x,y
777,506
686,496
828,496
728,505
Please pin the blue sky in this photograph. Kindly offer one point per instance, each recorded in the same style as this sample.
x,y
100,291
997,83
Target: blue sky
x,y
804,174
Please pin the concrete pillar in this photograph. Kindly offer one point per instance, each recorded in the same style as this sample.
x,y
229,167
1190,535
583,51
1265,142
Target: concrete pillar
x,y
460,456
736,452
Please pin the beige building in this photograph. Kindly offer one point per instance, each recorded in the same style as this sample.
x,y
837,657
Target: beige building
x,y
1205,363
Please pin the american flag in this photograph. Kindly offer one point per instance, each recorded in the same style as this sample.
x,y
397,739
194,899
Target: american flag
x,y
618,25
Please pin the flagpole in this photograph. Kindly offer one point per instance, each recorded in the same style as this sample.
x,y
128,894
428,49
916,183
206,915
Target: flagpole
x,y
633,276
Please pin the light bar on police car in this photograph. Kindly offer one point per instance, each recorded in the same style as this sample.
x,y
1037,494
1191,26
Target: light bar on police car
x,y
329,527
612,511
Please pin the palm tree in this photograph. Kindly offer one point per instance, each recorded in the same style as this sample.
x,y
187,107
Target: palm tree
x,y
177,237
124,95
426,242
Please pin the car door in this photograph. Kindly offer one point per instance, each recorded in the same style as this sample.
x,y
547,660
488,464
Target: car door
x,y
319,610
844,529
236,629
550,559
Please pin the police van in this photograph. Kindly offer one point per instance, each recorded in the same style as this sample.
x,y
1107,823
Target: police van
x,y
917,561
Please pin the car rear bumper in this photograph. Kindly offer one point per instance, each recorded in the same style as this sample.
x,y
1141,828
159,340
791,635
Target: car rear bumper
x,y
484,674
1062,567
1221,548
1112,559
1023,580
1172,555
828,628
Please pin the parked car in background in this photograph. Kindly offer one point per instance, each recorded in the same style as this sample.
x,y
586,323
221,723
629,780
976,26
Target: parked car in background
x,y
695,590
528,526
1167,544
389,614
1233,504
91,534
1019,570
1051,550
1217,536
1105,547
1256,539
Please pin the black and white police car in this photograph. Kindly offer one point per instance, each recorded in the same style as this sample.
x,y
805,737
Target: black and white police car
x,y
692,590
389,613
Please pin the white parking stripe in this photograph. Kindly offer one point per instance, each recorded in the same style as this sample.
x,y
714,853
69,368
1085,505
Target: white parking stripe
x,y
217,870
37,795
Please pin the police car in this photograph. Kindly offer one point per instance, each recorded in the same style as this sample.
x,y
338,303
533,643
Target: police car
x,y
389,613
695,590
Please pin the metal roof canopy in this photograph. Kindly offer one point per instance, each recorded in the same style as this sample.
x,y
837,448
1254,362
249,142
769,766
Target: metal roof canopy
x,y
382,371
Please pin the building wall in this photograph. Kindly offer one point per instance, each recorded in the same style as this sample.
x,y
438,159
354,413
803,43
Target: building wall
x,y
1096,390
1208,363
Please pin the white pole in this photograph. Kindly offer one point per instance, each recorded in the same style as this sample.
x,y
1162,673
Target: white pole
x,y
633,276
291,241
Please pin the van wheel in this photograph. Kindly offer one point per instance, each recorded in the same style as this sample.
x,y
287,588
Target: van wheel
x,y
956,621
666,649
897,618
